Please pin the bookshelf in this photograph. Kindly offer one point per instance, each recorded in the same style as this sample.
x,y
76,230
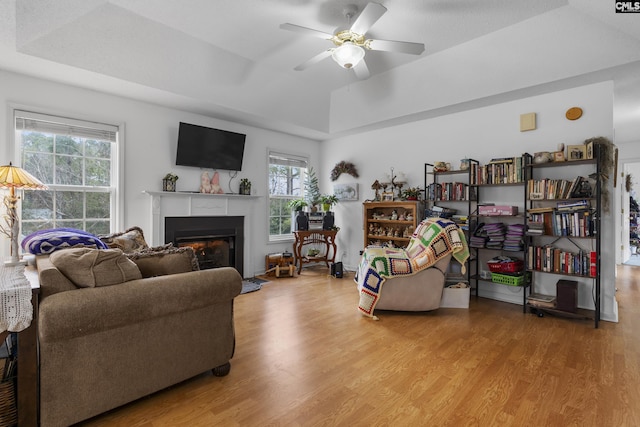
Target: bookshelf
x,y
563,210
450,194
498,223
391,223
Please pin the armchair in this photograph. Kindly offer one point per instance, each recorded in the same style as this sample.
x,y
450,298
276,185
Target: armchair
x,y
414,277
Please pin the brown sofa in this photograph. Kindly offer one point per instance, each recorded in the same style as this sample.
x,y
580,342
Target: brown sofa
x,y
103,345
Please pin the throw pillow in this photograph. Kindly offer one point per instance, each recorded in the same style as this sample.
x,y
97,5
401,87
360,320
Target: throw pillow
x,y
162,260
88,268
130,240
50,240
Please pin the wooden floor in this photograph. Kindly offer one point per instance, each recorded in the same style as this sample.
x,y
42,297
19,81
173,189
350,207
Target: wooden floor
x,y
306,357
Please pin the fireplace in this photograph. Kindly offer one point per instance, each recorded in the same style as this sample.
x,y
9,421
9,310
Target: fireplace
x,y
216,240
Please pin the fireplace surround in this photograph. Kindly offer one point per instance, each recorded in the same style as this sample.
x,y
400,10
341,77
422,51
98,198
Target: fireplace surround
x,y
167,204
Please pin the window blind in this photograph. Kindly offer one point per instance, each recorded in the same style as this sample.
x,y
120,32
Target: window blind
x,y
287,160
30,121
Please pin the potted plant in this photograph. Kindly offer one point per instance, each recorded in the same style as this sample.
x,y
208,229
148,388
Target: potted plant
x,y
302,221
297,204
311,189
328,200
411,193
169,182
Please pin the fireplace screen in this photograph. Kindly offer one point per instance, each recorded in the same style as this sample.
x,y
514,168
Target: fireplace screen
x,y
212,252
218,241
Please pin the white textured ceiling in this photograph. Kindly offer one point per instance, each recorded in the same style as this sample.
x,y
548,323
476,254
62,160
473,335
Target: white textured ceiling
x,y
230,59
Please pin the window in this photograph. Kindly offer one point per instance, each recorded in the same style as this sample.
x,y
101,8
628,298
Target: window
x,y
286,178
78,162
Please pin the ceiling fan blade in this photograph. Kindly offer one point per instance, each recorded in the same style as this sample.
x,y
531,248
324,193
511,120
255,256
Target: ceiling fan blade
x,y
394,46
306,31
371,13
361,70
319,57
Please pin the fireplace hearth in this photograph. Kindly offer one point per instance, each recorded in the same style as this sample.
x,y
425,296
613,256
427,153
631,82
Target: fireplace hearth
x,y
216,240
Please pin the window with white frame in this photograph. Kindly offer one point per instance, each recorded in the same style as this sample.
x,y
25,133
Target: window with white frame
x,y
78,161
286,178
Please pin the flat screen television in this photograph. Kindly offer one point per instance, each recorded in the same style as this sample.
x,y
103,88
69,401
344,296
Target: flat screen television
x,y
209,148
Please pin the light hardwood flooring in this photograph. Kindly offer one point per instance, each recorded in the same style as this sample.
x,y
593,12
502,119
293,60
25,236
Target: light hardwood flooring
x,y
306,357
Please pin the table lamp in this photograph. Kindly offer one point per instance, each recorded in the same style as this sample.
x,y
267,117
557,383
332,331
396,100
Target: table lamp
x,y
12,178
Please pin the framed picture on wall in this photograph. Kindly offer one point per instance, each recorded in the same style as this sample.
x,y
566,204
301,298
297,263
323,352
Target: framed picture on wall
x,y
346,192
576,152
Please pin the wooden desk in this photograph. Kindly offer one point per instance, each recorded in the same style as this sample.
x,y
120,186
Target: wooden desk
x,y
326,238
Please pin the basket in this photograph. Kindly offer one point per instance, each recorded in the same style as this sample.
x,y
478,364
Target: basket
x,y
508,279
506,267
444,213
8,409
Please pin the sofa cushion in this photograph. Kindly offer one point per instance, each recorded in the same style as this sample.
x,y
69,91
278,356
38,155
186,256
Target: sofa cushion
x,y
88,268
128,241
50,240
162,260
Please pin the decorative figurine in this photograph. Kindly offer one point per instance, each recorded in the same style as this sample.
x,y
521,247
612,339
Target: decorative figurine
x,y
205,184
394,215
215,184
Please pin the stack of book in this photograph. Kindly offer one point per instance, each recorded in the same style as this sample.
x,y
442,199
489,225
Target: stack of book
x,y
461,220
496,235
542,300
513,240
479,237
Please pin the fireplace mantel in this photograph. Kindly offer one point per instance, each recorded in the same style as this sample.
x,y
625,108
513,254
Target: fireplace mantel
x,y
196,194
182,204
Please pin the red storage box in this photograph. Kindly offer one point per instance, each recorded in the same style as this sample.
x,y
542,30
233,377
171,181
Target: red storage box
x,y
506,267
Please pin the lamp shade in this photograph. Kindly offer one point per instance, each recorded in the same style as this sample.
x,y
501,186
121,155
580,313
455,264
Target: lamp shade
x,y
13,177
348,54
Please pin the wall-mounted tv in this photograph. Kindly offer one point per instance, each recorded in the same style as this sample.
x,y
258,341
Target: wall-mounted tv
x,y
209,148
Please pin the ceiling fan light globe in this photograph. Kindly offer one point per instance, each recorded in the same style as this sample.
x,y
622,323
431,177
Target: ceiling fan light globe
x,y
348,55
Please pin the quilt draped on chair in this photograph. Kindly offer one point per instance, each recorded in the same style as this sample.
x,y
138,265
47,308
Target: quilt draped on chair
x,y
433,239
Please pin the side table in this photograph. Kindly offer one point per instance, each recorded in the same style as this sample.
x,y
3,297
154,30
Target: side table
x,y
27,385
316,237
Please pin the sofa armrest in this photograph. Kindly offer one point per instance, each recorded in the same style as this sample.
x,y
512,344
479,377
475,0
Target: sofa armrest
x,y
86,311
51,279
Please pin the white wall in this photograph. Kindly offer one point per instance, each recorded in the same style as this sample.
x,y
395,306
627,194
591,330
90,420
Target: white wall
x,y
149,147
629,164
481,134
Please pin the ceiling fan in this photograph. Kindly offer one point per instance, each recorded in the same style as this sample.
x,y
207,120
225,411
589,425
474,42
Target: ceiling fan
x,y
350,44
